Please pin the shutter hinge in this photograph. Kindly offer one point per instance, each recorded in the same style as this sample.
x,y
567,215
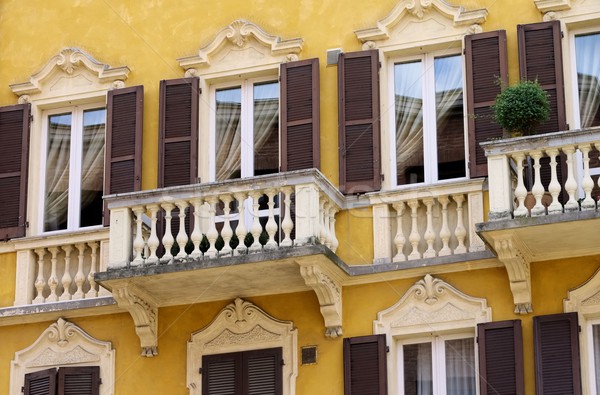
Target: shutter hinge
x,y
477,340
199,370
568,127
464,51
100,381
198,180
562,34
379,63
23,389
282,362
30,119
387,348
27,223
579,328
382,177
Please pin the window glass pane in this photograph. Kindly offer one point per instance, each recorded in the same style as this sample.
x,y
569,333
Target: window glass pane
x,y
596,336
587,48
409,122
460,367
418,379
92,167
228,109
57,172
449,117
266,128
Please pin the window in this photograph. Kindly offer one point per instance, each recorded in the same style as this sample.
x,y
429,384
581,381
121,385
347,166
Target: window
x,y
587,52
74,167
83,380
243,373
246,129
594,330
438,365
428,119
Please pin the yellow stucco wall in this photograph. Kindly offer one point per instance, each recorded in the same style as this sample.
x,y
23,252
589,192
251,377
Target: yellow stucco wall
x,y
7,279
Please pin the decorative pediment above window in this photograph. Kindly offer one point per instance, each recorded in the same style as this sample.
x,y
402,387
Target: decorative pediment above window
x,y
432,305
71,71
422,20
243,44
64,344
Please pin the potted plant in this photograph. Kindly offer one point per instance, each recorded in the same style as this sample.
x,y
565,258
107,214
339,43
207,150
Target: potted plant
x,y
521,107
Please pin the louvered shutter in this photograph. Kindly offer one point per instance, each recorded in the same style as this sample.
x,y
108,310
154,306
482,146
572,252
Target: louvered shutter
x,y
82,380
123,165
221,374
178,132
365,367
14,162
40,383
556,347
540,58
358,100
300,115
486,62
500,358
263,372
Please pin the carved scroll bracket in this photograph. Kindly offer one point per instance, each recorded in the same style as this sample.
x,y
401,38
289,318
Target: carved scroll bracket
x,y
144,311
518,269
329,293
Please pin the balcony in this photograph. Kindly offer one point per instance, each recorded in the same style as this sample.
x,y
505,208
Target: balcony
x,y
530,222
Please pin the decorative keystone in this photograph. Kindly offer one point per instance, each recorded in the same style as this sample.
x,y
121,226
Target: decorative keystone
x,y
329,293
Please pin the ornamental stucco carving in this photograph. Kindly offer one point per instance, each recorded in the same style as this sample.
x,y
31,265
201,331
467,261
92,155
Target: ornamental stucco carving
x,y
329,294
242,326
64,344
511,254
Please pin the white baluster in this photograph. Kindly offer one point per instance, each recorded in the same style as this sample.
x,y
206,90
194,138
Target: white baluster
x,y
212,234
429,233
138,242
79,276
334,241
415,237
182,237
40,282
271,225
326,239
538,189
153,241
93,291
53,279
460,231
322,230
520,190
571,183
255,228
168,239
196,235
399,239
241,231
587,183
287,225
554,187
67,279
226,232
445,230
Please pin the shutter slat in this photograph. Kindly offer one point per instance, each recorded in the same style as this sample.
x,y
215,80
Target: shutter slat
x,y
556,346
501,358
358,97
178,132
365,371
486,62
300,124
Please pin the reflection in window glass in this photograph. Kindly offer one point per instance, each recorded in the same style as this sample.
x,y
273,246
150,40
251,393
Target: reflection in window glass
x,y
418,375
266,128
228,133
460,367
58,164
587,49
92,167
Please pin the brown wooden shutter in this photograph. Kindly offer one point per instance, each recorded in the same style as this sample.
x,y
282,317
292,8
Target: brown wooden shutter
x,y
365,367
486,64
123,165
178,132
42,382
500,358
300,115
540,58
82,380
358,100
14,162
556,347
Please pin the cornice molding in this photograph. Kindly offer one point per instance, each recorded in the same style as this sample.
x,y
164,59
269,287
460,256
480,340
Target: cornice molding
x,y
545,6
69,62
419,9
239,34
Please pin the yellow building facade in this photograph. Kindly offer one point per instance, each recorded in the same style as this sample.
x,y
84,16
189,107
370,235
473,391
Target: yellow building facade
x,y
352,220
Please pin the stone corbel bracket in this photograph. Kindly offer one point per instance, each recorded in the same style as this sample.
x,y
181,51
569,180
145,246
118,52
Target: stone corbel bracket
x,y
144,311
329,294
518,269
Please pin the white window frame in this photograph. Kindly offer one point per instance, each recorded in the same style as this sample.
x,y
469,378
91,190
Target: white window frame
x,y
430,160
438,358
76,156
247,120
590,353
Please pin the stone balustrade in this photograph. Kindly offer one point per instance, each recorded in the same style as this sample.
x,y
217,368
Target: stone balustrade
x,y
60,267
427,222
222,218
510,194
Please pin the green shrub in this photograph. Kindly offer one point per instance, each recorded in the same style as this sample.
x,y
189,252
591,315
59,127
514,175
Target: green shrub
x,y
522,107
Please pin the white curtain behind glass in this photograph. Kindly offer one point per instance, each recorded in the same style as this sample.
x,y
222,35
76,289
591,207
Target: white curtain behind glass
x,y
266,128
228,133
418,369
460,367
57,172
587,50
92,167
